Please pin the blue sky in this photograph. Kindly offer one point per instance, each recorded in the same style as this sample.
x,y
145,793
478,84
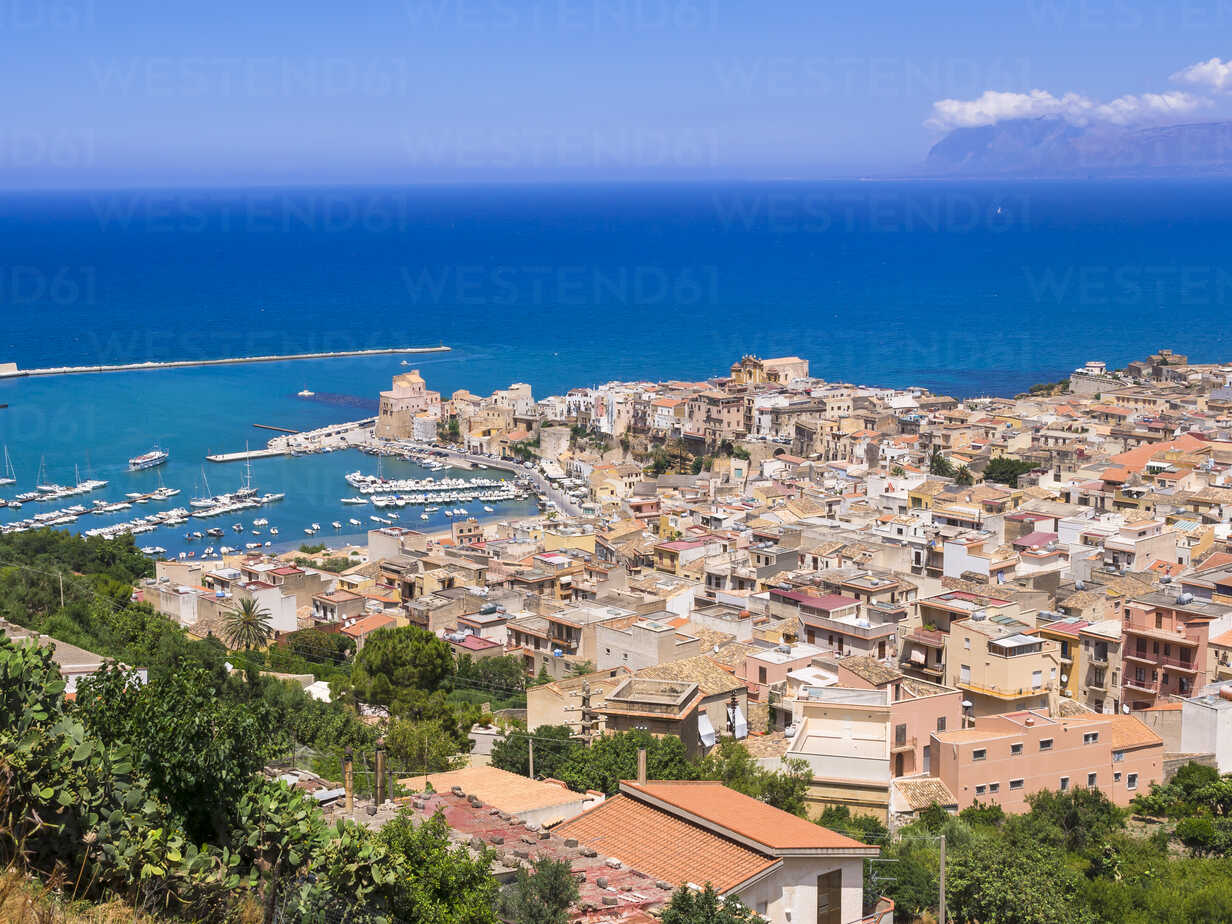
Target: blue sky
x,y
132,92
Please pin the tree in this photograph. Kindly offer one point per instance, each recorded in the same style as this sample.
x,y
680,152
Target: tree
x,y
396,662
864,828
940,465
1079,817
1006,470
995,883
705,907
503,675
732,765
612,758
554,747
541,897
199,751
317,645
247,626
963,476
422,747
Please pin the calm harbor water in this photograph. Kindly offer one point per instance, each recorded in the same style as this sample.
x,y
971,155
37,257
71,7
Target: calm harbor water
x,y
92,424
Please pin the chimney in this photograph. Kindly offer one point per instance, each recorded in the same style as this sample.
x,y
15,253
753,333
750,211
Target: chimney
x,y
379,790
348,778
641,766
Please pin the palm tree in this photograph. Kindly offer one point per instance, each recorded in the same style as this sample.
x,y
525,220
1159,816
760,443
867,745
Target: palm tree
x,y
247,626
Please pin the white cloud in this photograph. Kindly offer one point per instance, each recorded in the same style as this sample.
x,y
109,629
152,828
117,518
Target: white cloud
x,y
993,106
1215,73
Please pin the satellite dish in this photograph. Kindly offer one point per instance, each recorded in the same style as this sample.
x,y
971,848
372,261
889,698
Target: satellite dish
x,y
1125,708
967,704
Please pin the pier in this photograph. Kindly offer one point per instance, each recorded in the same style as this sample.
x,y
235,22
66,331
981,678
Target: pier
x,y
11,371
278,429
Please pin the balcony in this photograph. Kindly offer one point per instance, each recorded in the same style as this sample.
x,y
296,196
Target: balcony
x,y
1165,662
1164,635
901,746
928,637
1005,693
1142,686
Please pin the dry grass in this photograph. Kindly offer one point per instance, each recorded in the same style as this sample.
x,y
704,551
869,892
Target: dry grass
x,y
27,901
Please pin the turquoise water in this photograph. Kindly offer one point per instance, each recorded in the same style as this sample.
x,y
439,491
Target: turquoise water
x,y
98,421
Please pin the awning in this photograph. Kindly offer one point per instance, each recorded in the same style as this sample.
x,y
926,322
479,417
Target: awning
x,y
917,656
705,730
740,725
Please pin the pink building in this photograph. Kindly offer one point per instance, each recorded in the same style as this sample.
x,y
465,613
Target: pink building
x,y
1164,649
1006,758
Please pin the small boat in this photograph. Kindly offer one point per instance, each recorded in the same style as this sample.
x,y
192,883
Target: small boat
x,y
354,500
308,531
423,516
487,508
305,393
273,532
448,513
393,515
316,525
354,522
238,527
336,525
9,477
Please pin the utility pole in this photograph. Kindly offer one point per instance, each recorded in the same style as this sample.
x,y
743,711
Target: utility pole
x,y
60,575
941,906
530,743
379,787
348,776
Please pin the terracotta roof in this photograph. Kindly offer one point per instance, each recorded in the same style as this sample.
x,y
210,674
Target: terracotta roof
x,y
744,816
870,669
664,845
507,791
920,794
1124,731
699,669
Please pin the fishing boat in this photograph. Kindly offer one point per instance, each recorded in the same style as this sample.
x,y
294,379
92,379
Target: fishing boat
x,y
151,459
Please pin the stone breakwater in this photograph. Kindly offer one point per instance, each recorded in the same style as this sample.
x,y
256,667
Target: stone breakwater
x,y
11,371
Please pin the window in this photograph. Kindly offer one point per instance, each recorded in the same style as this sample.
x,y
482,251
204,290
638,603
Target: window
x,y
967,643
1045,744
1016,748
979,754
1131,781
1091,780
1118,756
964,673
1090,737
761,675
1116,777
1064,783
1016,784
1037,679
980,790
994,787
941,724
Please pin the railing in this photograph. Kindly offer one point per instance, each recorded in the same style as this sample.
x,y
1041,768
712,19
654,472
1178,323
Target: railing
x,y
1190,666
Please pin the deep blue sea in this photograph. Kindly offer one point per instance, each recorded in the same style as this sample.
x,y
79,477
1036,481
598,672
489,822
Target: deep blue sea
x,y
967,288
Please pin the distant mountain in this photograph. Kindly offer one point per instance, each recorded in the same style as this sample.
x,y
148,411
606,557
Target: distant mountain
x,y
1054,147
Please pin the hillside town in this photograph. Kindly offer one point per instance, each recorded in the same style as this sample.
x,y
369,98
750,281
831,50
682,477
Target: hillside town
x,y
918,602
